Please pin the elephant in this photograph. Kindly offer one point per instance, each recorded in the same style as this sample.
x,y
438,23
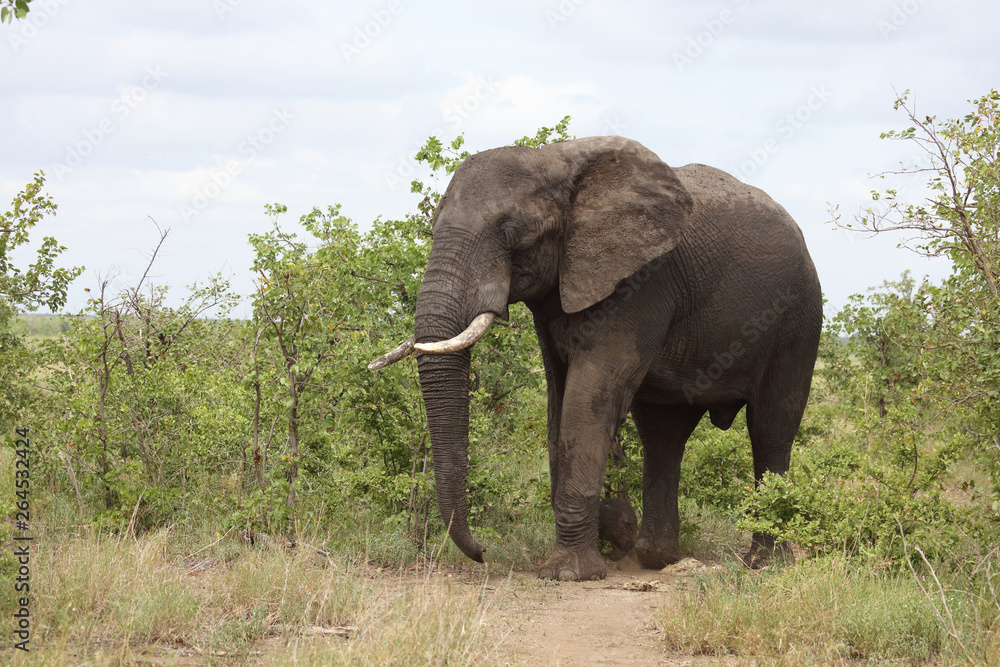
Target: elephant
x,y
616,523
667,293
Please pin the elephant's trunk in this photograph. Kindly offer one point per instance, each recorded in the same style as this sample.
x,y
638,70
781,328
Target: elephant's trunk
x,y
459,295
444,380
443,307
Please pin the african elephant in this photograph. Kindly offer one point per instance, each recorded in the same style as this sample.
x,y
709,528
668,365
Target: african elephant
x,y
665,292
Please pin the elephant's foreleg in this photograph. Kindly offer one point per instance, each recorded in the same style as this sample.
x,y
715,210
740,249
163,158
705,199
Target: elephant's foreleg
x,y
664,430
579,462
593,405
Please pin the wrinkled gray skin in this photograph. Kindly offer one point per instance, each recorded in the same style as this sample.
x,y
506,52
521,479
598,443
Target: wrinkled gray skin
x,y
667,292
616,523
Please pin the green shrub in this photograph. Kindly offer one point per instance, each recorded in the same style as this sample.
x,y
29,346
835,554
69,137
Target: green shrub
x,y
717,470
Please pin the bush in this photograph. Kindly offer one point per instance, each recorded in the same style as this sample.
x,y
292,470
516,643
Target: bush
x,y
717,470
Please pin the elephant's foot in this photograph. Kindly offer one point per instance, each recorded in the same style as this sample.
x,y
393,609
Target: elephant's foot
x,y
655,555
765,551
575,565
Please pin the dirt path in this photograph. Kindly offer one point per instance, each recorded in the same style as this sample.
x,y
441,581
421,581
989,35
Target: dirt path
x,y
609,622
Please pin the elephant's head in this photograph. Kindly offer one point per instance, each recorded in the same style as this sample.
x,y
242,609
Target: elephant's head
x,y
515,224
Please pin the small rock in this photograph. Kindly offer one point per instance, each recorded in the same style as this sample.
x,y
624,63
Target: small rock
x,y
685,566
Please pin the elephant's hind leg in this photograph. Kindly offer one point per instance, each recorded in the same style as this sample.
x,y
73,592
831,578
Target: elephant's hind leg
x,y
773,419
664,430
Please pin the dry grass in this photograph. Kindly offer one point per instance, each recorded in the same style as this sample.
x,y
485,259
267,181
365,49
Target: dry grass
x,y
117,600
96,590
818,612
423,624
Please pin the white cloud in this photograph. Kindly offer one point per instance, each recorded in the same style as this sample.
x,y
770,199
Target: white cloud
x,y
506,109
359,120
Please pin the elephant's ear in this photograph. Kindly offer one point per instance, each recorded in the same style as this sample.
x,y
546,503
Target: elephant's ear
x,y
627,208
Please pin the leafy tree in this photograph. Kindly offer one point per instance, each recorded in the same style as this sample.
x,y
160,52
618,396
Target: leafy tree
x,y
39,284
323,310
135,399
13,9
42,283
960,219
299,309
882,333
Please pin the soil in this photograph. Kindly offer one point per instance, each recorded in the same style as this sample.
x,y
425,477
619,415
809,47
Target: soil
x,y
607,622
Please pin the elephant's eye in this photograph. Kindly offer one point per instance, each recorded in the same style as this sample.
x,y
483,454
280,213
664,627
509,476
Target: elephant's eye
x,y
510,233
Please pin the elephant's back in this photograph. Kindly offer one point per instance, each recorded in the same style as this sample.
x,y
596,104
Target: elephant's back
x,y
721,195
737,227
746,252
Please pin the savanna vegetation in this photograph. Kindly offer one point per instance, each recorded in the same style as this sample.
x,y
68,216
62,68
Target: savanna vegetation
x,y
222,484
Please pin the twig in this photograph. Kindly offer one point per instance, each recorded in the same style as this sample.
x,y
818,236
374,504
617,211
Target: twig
x,y
72,478
400,285
131,522
950,623
325,554
212,544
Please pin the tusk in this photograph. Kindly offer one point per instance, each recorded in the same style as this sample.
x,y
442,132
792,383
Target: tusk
x,y
390,358
463,340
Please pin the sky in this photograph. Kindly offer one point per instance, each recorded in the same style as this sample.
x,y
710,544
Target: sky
x,y
191,116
